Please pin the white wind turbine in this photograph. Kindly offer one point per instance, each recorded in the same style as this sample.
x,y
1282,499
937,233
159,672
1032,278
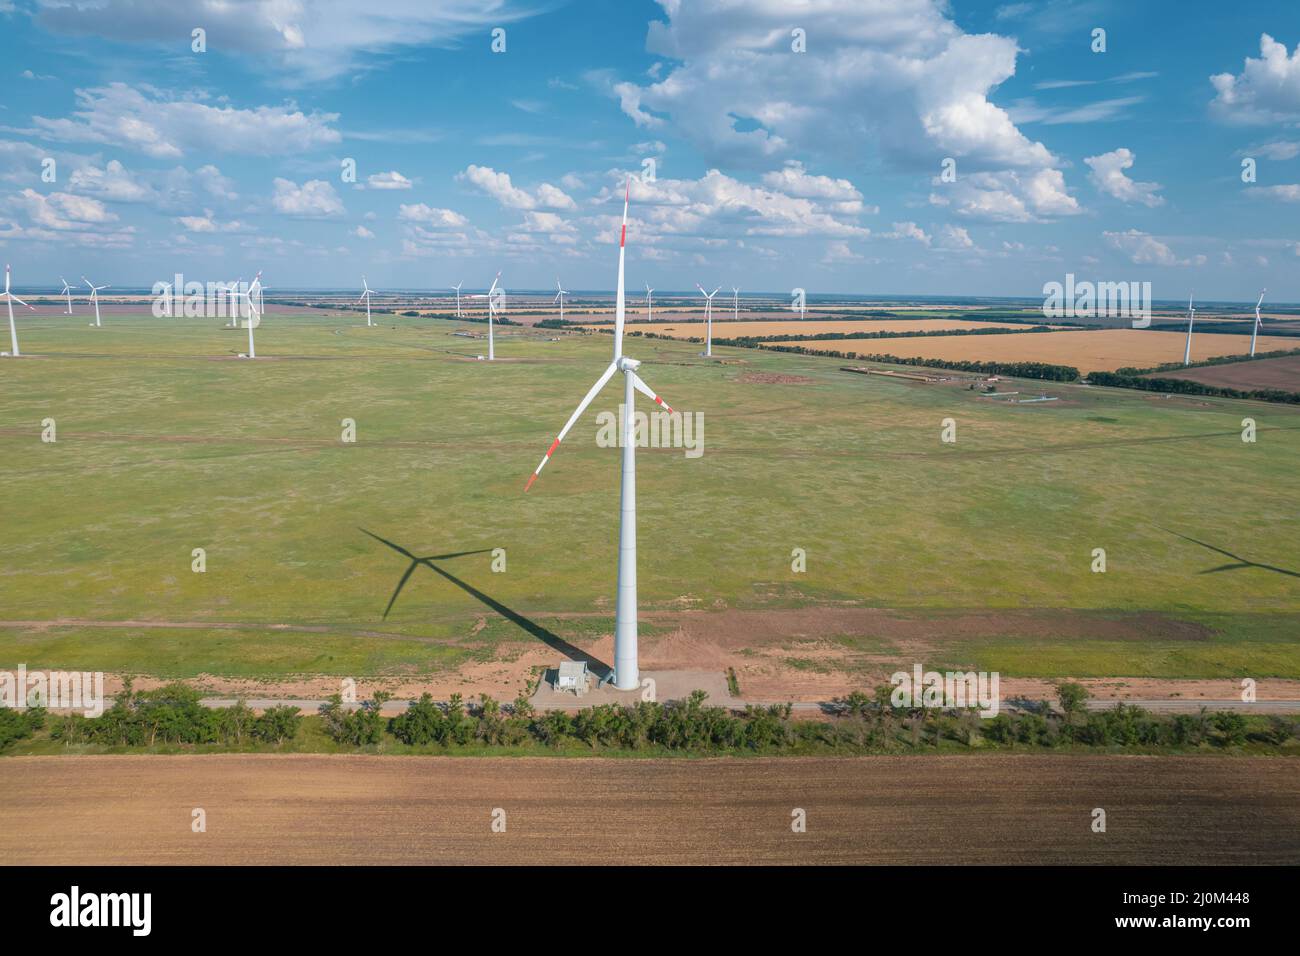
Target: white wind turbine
x,y
559,297
708,317
254,297
10,299
366,296
626,675
94,297
1191,318
232,295
735,303
67,290
1254,333
493,298
458,285
649,303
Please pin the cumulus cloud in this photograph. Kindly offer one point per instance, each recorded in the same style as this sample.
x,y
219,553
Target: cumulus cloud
x,y
499,187
1267,90
361,232
1108,176
165,126
430,215
908,230
1288,192
208,223
65,217
1143,249
389,180
314,199
1008,196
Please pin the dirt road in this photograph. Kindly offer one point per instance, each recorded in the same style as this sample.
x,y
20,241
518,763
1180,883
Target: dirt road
x,y
360,810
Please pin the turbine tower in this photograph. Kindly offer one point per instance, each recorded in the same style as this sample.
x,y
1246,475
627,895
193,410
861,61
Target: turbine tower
x,y
254,297
1191,318
649,303
493,297
366,296
67,290
94,297
708,318
1254,333
626,675
559,297
458,285
10,299
735,303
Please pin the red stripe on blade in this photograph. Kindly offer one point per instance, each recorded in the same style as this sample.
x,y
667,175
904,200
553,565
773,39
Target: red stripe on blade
x,y
554,445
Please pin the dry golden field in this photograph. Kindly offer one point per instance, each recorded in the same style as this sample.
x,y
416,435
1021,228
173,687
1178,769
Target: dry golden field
x,y
730,330
1100,350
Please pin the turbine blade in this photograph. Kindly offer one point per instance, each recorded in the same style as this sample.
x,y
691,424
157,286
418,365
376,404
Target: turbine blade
x,y
645,389
619,307
20,301
582,407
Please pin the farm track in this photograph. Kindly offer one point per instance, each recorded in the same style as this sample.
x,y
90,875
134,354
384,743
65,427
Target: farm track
x,y
357,810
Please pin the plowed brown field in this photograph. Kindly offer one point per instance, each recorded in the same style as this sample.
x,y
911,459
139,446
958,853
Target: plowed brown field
x,y
362,809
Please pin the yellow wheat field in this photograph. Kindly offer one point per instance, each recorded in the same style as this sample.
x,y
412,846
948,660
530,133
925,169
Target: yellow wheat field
x,y
1100,350
731,330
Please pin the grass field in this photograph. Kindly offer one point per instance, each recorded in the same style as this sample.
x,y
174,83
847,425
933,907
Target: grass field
x,y
1094,350
725,328
166,443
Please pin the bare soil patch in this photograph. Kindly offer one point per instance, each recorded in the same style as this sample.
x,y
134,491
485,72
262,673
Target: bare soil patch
x,y
1280,373
267,809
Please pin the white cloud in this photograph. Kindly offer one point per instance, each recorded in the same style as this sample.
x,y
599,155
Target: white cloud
x,y
839,252
1280,150
361,232
63,217
306,41
1108,176
314,199
908,230
1289,192
430,215
208,223
954,237
163,126
499,187
1143,249
1266,91
389,180
112,182
1008,196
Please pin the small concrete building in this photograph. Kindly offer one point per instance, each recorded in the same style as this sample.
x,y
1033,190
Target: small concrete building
x,y
571,675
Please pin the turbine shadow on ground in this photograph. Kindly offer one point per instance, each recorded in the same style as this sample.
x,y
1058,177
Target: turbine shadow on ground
x,y
549,638
1240,561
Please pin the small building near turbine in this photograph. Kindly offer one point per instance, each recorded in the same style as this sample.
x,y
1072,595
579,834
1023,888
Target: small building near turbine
x,y
571,675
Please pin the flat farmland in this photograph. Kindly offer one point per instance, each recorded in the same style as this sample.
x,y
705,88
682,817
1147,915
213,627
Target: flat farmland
x,y
725,328
1094,350
362,810
1280,373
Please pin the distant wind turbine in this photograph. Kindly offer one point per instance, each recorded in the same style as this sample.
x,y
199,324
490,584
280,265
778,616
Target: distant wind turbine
x,y
10,299
254,297
1254,333
559,297
366,297
458,285
1191,319
67,290
708,317
735,303
649,302
493,298
94,297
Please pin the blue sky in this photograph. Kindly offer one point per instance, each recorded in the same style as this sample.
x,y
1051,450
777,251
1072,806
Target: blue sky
x,y
772,168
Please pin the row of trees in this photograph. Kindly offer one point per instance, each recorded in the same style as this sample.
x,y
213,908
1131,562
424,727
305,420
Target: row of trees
x,y
1185,386
174,715
857,723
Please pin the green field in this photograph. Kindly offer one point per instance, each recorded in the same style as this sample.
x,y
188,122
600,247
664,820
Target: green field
x,y
167,443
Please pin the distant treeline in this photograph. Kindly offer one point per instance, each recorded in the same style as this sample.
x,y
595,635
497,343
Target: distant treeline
x,y
751,341
1035,370
1139,378
857,724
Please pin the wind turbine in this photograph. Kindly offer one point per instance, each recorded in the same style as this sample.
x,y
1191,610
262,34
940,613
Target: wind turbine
x,y
366,295
559,297
458,285
649,303
10,299
94,297
626,676
1191,318
254,297
492,298
67,290
1254,333
708,317
735,303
